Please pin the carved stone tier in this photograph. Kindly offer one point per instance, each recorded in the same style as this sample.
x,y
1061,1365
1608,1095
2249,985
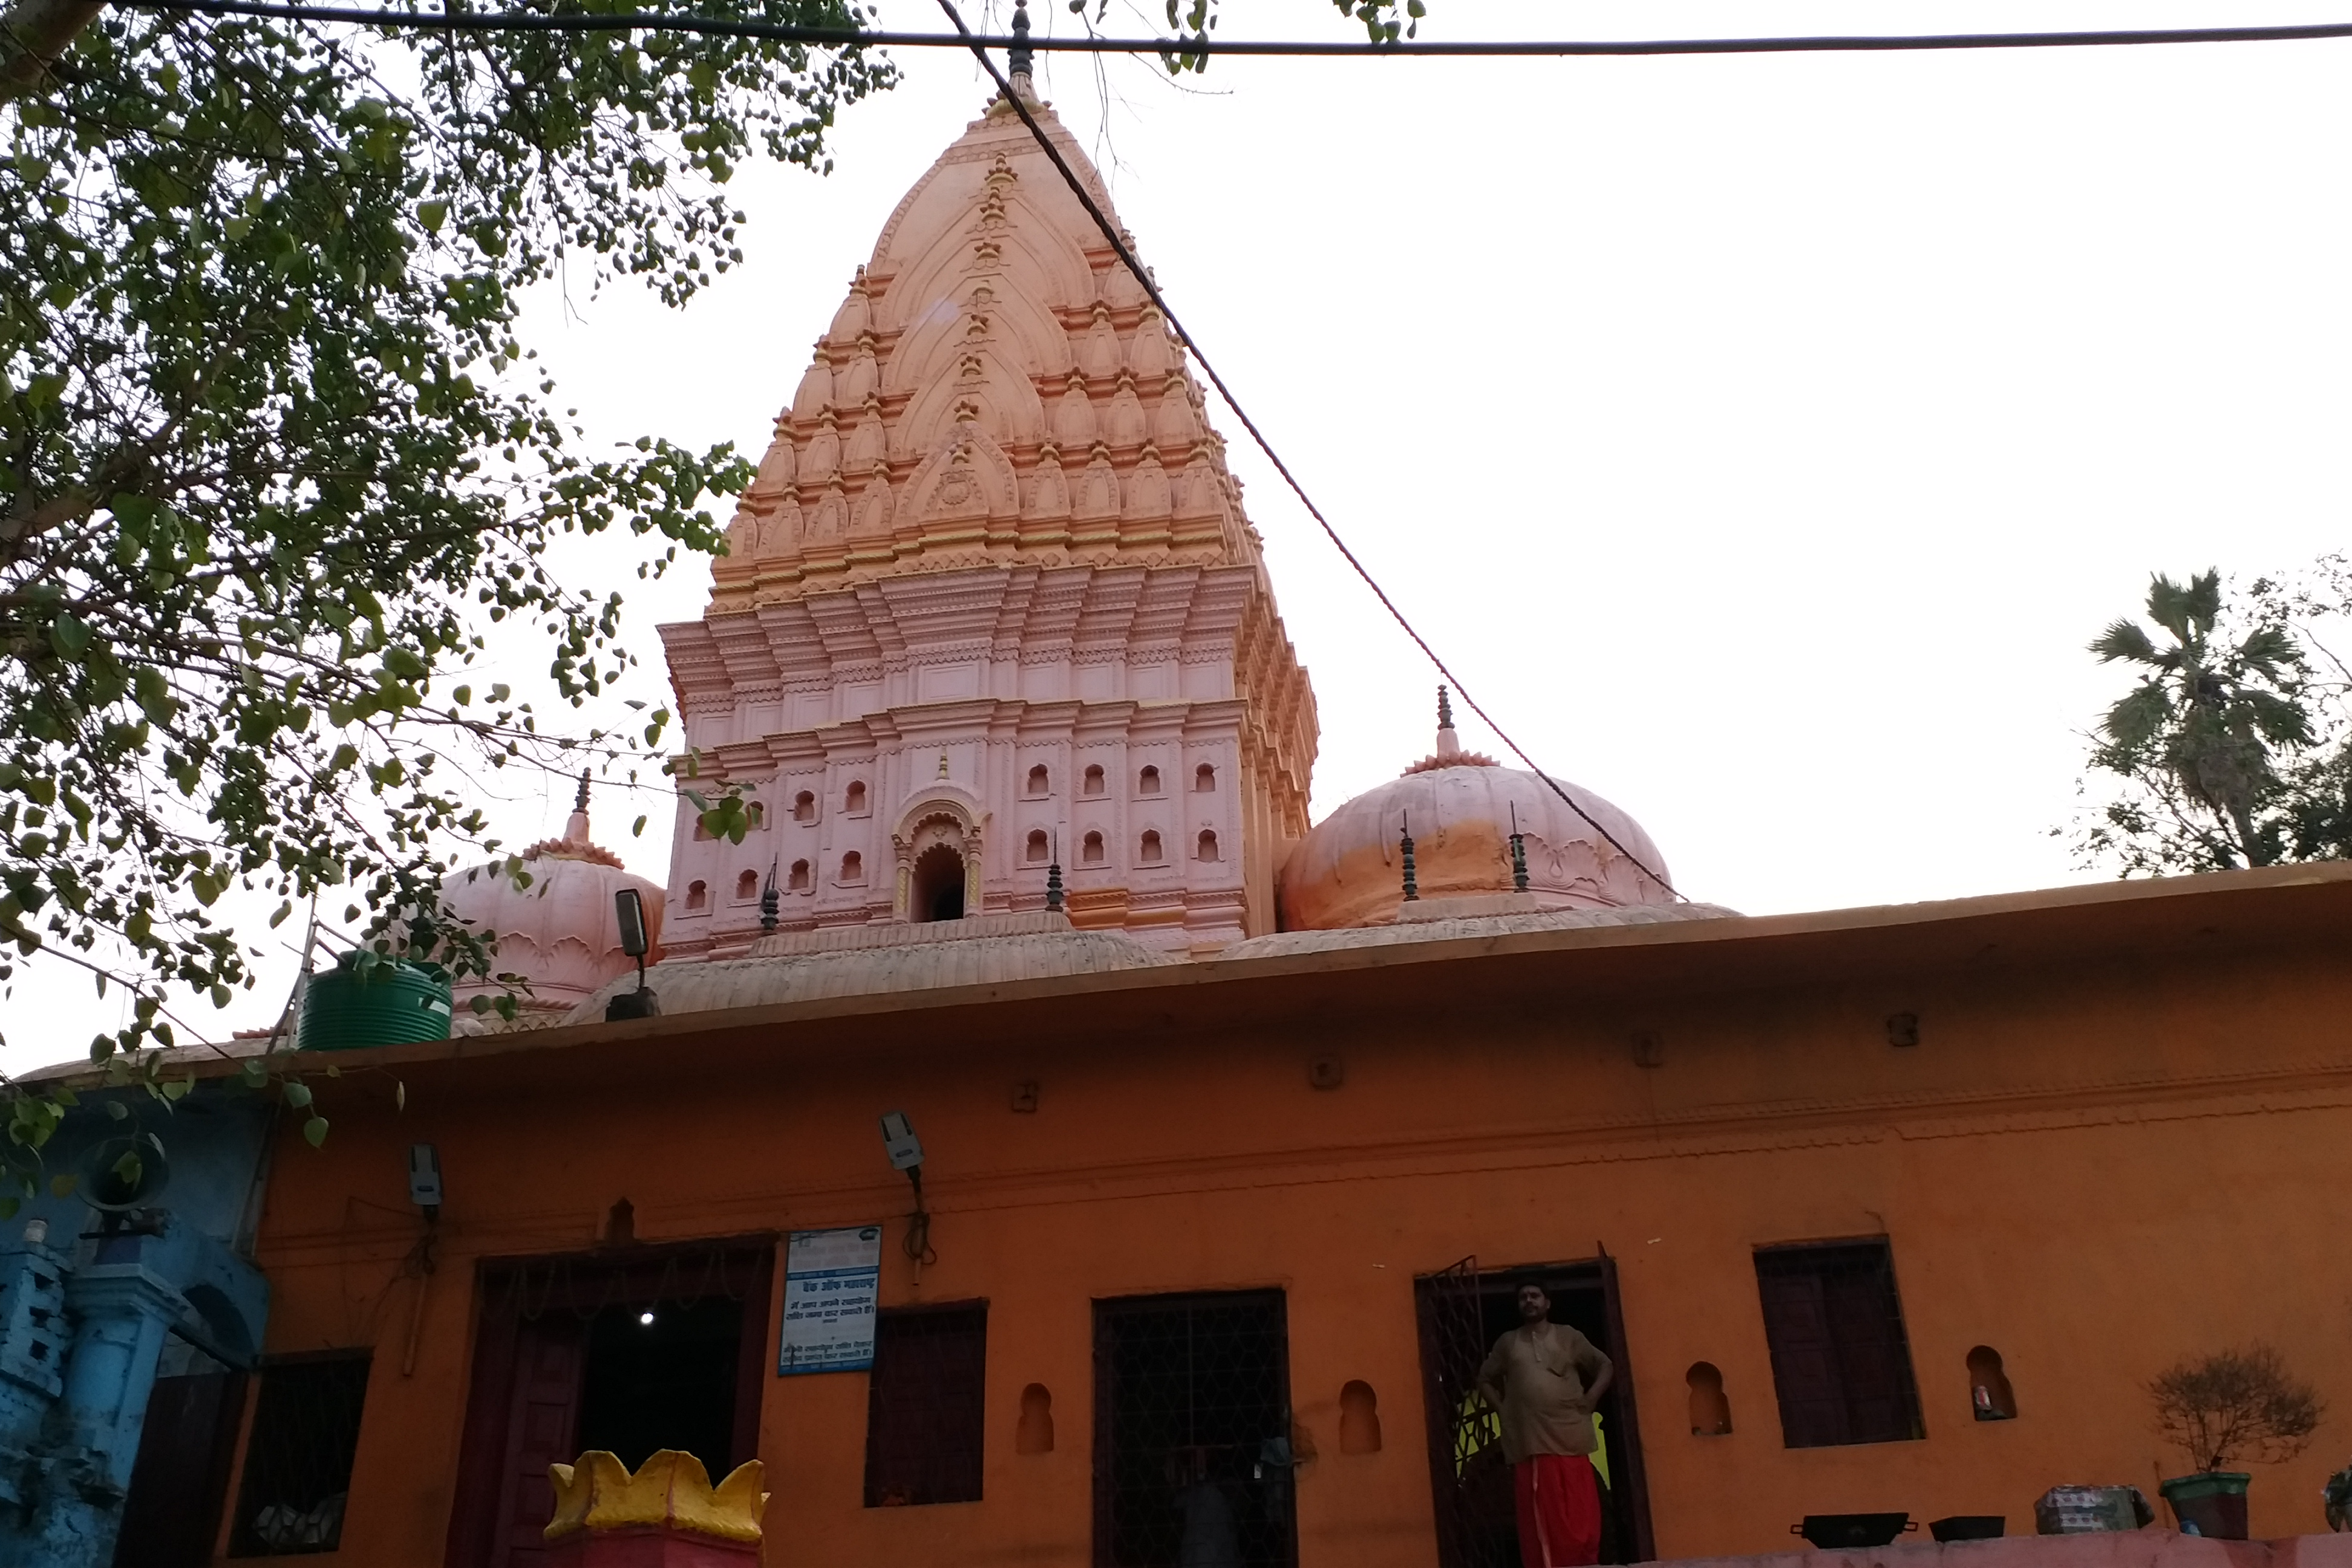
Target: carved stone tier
x,y
1148,727
995,390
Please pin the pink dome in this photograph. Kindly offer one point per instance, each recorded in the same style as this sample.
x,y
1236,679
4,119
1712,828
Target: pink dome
x,y
1348,872
559,933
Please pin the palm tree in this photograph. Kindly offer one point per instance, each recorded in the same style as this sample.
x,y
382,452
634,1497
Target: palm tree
x,y
2213,715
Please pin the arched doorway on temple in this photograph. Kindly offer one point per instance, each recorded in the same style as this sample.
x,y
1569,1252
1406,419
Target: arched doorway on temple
x,y
938,845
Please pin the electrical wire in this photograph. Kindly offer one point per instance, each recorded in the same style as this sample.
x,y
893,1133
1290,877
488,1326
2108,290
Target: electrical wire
x,y
513,21
1112,232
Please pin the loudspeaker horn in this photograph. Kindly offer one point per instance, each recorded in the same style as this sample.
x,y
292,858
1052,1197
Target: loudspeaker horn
x,y
125,1172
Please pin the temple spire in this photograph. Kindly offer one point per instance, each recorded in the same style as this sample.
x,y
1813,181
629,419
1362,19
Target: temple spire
x,y
1449,745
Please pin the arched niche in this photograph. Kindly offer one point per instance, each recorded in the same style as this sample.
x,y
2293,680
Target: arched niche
x,y
1711,1407
1990,1394
938,834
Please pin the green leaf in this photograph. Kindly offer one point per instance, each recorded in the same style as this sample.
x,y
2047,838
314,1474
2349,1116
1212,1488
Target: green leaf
x,y
297,1093
315,1129
432,215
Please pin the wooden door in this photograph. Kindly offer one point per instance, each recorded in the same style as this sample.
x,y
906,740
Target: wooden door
x,y
543,1426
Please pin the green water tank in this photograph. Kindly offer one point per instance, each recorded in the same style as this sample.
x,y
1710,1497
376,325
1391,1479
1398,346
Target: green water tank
x,y
388,1002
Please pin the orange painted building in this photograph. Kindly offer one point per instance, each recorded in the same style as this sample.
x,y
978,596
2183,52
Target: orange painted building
x,y
1237,1132
2122,1134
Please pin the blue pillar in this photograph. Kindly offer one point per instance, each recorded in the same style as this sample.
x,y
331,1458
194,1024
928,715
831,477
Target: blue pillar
x,y
121,1312
32,1356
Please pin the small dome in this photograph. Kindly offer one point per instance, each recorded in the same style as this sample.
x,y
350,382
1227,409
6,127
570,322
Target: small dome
x,y
560,933
1459,807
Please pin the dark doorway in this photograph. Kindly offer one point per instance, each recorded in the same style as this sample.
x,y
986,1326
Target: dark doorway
x,y
1192,1461
566,1360
938,891
663,1376
179,1479
1462,1312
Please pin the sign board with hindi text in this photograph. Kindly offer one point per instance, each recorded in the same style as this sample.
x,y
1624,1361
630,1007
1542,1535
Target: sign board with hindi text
x,y
831,1279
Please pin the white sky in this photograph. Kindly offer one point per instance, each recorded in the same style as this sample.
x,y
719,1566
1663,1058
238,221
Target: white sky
x,y
1761,438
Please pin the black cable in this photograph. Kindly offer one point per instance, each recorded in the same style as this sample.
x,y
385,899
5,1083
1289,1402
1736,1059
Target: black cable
x,y
1464,48
1110,232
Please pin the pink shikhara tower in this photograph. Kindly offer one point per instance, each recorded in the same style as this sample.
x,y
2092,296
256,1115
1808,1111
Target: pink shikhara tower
x,y
992,603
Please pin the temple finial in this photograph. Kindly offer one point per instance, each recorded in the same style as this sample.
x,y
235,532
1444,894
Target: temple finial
x,y
1411,883
771,905
1020,62
576,830
1449,745
1054,878
944,764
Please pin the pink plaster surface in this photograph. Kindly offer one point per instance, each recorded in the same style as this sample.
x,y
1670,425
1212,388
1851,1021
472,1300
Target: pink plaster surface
x,y
2109,1549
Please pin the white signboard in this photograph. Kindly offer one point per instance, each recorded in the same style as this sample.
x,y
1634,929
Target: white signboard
x,y
830,1280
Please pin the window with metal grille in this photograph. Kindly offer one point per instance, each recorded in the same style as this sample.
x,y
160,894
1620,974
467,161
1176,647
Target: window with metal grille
x,y
925,1424
1192,1461
1841,1361
298,1463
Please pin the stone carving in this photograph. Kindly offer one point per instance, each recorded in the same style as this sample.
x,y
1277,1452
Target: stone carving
x,y
1049,489
816,394
1147,489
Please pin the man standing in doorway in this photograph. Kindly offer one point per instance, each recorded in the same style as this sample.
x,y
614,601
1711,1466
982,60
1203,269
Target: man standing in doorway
x,y
1544,1378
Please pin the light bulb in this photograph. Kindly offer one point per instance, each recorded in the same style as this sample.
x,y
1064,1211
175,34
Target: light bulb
x,y
646,1319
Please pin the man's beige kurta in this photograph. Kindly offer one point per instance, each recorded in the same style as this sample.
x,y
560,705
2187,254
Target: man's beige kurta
x,y
1535,1377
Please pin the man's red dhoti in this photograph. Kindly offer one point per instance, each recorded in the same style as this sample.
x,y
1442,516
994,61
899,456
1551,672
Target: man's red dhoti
x,y
1560,1511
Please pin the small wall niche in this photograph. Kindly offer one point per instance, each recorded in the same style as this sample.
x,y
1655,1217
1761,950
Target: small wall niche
x,y
746,887
1711,1407
1038,849
697,897
1090,849
1359,1418
1091,781
1204,780
800,876
805,806
1205,846
1147,783
1040,781
1035,1433
853,799
1147,851
1989,1394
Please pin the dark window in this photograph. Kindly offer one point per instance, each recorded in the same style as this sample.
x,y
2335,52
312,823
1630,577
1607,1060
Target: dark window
x,y
297,1464
924,1421
1192,1461
1840,1362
